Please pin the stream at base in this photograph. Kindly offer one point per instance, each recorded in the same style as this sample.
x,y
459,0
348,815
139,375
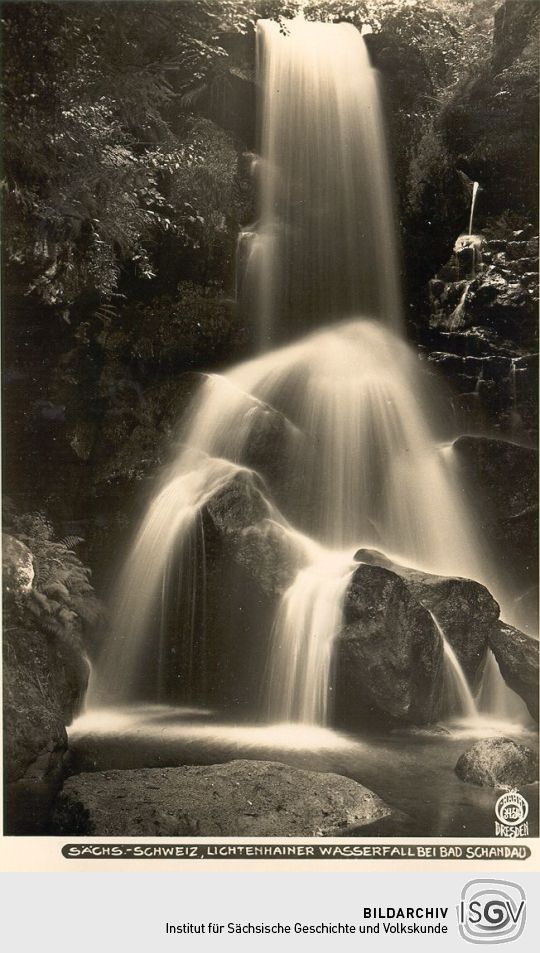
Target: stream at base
x,y
411,770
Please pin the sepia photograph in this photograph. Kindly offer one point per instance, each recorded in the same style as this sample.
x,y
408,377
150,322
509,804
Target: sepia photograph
x,y
270,421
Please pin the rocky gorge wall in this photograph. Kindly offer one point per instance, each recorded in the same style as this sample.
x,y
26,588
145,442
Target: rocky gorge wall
x,y
48,609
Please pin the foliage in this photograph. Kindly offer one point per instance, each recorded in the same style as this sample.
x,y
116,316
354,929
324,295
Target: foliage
x,y
105,157
451,36
97,147
487,129
62,598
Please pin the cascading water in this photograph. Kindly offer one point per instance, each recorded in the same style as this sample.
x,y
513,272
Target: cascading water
x,y
325,243
171,525
359,461
458,700
473,203
310,614
495,699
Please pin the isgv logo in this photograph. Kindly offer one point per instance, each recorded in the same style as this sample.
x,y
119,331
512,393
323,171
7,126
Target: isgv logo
x,y
491,911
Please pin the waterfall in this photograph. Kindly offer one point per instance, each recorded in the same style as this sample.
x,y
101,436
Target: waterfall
x,y
457,317
473,203
358,460
325,246
516,420
171,526
308,619
495,699
458,701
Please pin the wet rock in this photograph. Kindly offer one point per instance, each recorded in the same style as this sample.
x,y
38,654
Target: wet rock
x,y
517,656
234,110
505,477
267,551
388,655
242,515
272,439
495,296
465,610
239,505
249,560
498,762
239,799
483,335
45,677
17,566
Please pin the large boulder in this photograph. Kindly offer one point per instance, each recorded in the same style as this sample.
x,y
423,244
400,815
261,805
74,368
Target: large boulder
x,y
238,799
45,677
464,609
517,656
498,762
388,655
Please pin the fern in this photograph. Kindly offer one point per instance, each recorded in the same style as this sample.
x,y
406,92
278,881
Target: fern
x,y
62,598
71,542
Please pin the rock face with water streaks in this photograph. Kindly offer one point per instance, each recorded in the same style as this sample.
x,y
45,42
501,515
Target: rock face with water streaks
x,y
483,331
239,799
463,608
389,654
517,656
498,762
498,291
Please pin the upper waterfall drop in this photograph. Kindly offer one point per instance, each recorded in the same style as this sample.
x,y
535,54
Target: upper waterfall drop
x,y
324,247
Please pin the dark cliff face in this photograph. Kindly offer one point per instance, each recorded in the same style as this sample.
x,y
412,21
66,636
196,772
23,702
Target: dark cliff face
x,y
482,334
486,132
515,26
477,316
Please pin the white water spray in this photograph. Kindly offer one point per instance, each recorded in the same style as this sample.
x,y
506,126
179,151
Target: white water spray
x,y
309,617
325,243
458,699
495,699
473,203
